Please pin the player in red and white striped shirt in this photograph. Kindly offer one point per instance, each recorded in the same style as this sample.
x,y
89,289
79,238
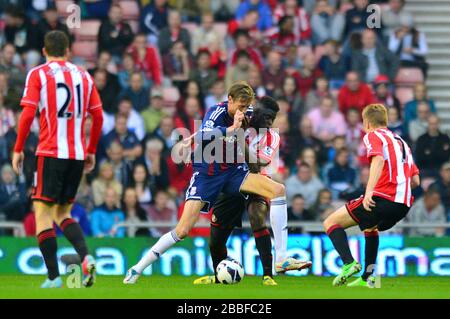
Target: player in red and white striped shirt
x,y
386,201
64,95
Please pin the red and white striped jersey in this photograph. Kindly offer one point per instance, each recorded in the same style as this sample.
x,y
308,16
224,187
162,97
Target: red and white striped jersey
x,y
395,180
64,94
265,145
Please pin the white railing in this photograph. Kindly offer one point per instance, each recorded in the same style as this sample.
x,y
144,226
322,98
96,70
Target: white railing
x,y
17,227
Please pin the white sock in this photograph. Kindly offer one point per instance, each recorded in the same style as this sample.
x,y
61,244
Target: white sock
x,y
165,242
278,221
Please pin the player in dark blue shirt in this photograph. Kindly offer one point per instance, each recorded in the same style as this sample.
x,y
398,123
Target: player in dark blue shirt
x,y
218,166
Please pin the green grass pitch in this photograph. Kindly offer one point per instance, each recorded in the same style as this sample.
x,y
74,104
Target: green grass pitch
x,y
21,286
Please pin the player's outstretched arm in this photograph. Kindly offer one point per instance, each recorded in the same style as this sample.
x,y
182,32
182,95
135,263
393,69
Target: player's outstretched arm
x,y
25,121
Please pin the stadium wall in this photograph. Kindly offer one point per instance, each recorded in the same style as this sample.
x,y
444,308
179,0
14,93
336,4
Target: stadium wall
x,y
398,255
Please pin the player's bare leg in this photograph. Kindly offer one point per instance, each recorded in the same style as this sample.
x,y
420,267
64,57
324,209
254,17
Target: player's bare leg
x,y
268,188
335,226
73,232
191,213
47,242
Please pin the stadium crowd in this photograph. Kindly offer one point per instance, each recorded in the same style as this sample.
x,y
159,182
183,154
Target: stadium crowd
x,y
162,72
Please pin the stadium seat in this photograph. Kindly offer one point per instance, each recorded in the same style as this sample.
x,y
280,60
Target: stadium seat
x,y
88,31
408,76
61,6
130,9
404,94
171,95
85,49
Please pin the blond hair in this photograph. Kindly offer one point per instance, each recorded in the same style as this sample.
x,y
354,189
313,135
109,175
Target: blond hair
x,y
376,115
241,91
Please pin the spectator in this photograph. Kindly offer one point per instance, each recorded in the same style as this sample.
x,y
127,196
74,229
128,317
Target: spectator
x,y
147,60
177,65
442,185
122,168
340,176
161,211
179,175
13,194
333,64
173,33
264,12
187,117
297,212
156,165
255,81
356,18
106,216
108,94
242,41
326,23
419,126
203,74
191,10
428,209
374,59
165,132
420,95
360,189
224,9
136,92
395,124
192,89
9,65
134,121
153,18
153,114
308,156
7,117
308,74
274,74
314,97
432,148
354,94
290,93
218,94
285,36
323,205
140,182
305,183
10,96
307,139
355,131
50,22
79,214
128,68
302,28
292,61
205,35
382,93
20,32
114,35
121,133
103,182
393,15
327,122
240,71
134,213
410,46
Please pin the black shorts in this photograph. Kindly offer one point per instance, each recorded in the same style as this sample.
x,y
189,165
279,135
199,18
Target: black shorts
x,y
56,180
384,215
228,209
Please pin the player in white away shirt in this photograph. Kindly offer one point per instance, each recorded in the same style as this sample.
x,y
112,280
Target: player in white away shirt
x,y
263,144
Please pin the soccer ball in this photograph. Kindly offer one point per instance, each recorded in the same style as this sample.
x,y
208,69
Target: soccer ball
x,y
230,271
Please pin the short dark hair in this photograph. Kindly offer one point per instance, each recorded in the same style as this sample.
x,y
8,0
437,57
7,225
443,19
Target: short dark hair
x,y
297,196
269,103
56,43
242,54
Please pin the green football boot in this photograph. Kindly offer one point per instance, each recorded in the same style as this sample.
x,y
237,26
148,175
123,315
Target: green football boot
x,y
369,283
347,271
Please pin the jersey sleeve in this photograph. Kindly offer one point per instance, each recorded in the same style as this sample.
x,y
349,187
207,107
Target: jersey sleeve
x,y
268,149
32,92
374,145
94,100
414,170
211,125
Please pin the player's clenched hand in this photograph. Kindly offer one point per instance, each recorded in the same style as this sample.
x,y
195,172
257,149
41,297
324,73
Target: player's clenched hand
x,y
368,202
17,162
89,164
238,118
